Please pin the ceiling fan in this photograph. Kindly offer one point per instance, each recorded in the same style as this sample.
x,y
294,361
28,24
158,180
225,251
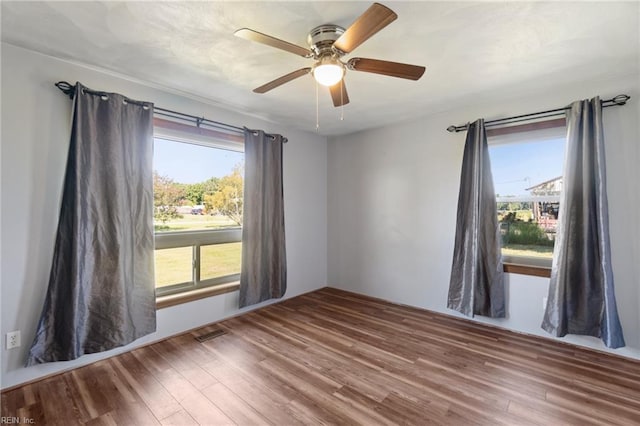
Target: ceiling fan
x,y
328,44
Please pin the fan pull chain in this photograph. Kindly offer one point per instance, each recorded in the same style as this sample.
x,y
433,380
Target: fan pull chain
x,y
317,109
342,99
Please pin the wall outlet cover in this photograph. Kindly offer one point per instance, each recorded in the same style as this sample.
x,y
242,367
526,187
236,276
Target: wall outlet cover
x,y
13,339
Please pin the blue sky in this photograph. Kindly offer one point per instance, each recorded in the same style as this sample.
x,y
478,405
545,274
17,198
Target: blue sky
x,y
516,166
188,163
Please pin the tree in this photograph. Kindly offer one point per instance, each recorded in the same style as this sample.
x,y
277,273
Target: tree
x,y
166,197
515,206
227,199
195,193
210,186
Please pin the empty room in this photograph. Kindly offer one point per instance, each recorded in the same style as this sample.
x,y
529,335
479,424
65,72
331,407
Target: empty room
x,y
329,212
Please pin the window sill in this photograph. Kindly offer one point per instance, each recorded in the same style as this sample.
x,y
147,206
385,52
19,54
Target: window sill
x,y
536,271
190,296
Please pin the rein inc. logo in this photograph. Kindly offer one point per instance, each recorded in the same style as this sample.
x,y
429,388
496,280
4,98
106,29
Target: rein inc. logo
x,y
17,421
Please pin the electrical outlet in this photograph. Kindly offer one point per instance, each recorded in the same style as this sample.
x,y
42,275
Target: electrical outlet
x,y
544,303
13,339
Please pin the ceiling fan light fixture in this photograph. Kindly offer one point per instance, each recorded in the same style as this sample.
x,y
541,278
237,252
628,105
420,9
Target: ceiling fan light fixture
x,y
328,71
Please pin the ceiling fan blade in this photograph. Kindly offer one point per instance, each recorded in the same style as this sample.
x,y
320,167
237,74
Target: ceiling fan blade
x,y
252,35
282,80
370,22
339,94
392,69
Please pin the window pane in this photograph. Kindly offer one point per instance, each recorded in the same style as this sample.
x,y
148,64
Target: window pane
x,y
196,187
528,183
174,266
219,260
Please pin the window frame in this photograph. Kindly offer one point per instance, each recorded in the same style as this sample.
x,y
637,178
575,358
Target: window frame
x,y
531,132
195,240
173,294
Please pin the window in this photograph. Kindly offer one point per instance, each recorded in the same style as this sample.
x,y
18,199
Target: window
x,y
198,186
527,175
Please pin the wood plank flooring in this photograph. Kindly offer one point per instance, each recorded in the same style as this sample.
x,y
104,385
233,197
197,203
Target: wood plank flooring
x,y
333,357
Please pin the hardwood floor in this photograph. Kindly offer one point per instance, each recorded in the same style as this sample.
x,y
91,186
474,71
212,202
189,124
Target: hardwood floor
x,y
332,357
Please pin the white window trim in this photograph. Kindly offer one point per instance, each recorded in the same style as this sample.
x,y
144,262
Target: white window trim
x,y
536,262
195,139
165,240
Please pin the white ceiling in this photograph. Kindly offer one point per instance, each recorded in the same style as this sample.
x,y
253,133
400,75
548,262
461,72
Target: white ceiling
x,y
479,50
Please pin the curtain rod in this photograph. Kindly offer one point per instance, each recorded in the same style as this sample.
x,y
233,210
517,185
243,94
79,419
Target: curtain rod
x,y
618,100
70,89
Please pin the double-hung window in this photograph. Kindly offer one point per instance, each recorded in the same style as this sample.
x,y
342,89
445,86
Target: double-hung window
x,y
198,184
527,174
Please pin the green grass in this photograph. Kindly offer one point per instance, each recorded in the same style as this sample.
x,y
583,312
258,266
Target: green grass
x,y
191,222
173,266
220,260
524,233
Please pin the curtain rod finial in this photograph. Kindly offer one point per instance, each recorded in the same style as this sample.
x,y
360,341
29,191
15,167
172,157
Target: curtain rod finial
x,y
621,99
66,88
451,129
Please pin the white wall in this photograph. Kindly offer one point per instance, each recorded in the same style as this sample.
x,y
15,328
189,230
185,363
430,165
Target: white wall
x,y
35,135
392,200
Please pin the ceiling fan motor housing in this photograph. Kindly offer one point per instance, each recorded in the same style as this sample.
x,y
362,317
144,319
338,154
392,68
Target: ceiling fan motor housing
x,y
321,40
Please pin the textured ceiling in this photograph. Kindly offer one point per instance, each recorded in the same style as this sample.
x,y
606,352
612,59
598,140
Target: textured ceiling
x,y
480,50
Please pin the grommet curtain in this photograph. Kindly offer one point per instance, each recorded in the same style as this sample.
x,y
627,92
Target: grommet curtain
x,y
101,291
477,277
263,273
581,291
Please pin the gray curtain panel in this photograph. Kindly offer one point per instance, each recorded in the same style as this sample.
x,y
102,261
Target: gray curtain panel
x,y
581,293
477,277
264,259
101,292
